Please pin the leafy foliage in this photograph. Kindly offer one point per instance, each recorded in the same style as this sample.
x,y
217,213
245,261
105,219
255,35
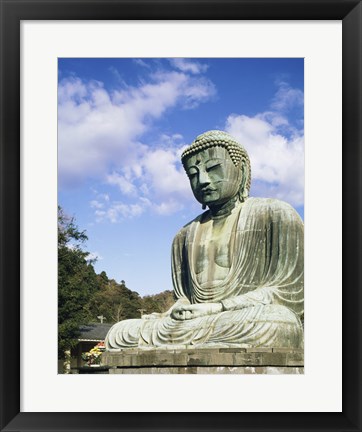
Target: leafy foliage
x,y
84,295
158,302
77,281
114,301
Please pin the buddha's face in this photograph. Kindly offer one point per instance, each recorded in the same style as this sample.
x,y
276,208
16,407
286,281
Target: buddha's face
x,y
213,176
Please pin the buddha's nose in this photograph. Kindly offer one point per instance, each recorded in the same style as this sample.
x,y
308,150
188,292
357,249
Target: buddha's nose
x,y
204,178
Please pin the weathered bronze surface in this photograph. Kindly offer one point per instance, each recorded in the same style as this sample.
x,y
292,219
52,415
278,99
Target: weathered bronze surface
x,y
237,268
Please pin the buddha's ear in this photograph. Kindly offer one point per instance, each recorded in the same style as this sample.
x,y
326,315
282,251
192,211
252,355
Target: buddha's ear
x,y
245,173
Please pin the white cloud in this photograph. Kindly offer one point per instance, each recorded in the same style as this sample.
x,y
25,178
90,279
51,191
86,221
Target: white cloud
x,y
127,210
287,97
117,75
96,204
144,189
277,161
118,211
142,63
187,65
106,209
100,135
275,146
125,186
164,172
168,207
100,215
71,89
170,139
99,131
163,187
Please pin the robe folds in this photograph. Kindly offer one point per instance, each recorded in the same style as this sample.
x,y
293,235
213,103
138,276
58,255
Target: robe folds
x,y
262,295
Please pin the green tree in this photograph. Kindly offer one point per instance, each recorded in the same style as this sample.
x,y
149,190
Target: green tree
x,y
83,295
77,282
158,302
114,301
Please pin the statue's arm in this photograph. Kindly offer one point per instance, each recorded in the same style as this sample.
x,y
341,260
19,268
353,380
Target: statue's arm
x,y
190,311
183,301
282,232
260,296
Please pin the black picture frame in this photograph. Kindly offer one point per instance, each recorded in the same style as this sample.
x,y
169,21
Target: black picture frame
x,y
12,12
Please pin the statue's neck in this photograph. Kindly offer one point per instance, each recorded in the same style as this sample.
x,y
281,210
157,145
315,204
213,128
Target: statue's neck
x,y
223,210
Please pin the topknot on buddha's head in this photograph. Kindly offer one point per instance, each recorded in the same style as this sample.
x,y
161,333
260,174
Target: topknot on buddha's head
x,y
237,152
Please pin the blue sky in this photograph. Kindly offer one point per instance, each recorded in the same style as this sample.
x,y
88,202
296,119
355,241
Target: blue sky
x,y
122,125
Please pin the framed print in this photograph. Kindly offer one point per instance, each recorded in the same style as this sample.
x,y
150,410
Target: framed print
x,y
34,36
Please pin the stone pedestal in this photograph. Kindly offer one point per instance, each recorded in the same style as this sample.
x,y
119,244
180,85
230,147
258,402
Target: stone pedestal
x,y
205,361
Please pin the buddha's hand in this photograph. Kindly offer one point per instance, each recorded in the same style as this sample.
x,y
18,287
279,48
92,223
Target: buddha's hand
x,y
186,312
154,315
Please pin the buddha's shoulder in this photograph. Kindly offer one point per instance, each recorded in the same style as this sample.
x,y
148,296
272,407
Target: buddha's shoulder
x,y
268,203
186,228
271,206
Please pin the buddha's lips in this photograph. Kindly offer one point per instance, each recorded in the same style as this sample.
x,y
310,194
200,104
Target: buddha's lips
x,y
207,190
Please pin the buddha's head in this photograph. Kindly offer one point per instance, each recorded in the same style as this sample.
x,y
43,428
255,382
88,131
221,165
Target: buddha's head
x,y
218,168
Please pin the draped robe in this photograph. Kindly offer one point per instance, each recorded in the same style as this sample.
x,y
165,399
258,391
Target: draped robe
x,y
262,295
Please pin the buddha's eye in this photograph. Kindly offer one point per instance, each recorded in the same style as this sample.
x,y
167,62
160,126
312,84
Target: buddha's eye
x,y
192,173
212,166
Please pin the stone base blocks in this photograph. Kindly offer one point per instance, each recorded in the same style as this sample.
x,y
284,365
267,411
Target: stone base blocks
x,y
206,361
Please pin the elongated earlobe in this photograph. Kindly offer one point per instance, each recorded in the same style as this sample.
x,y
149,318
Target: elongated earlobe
x,y
243,191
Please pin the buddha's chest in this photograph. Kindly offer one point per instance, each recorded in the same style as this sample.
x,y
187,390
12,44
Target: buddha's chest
x,y
213,250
